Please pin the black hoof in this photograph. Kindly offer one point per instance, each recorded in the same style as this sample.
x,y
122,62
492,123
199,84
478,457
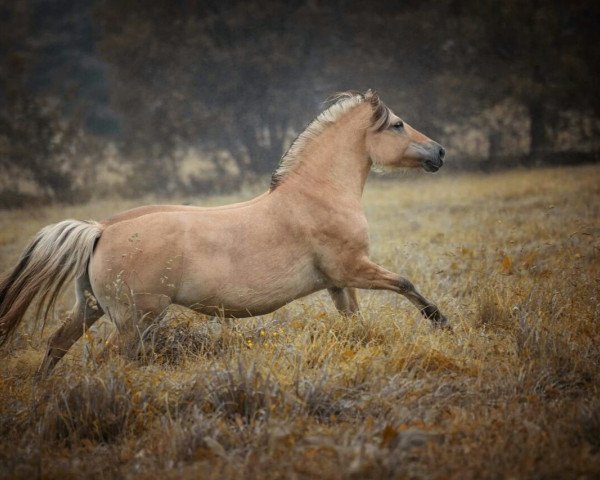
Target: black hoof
x,y
432,313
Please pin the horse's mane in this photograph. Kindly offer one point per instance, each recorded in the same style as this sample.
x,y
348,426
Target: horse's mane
x,y
341,103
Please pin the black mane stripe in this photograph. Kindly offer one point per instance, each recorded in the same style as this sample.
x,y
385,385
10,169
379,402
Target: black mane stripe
x,y
342,102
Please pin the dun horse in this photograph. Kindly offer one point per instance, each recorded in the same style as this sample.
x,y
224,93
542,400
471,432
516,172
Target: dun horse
x,y
308,232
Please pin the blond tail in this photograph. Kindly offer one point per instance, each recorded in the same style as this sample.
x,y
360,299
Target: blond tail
x,y
57,254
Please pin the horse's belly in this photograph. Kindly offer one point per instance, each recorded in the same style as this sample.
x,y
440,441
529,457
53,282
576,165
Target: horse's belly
x,y
235,311
246,294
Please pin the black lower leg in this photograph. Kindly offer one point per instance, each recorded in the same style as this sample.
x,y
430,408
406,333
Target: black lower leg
x,y
427,309
433,314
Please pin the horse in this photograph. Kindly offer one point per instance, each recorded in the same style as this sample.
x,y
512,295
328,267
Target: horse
x,y
307,232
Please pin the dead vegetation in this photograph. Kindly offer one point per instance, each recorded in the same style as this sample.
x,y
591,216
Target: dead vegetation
x,y
303,393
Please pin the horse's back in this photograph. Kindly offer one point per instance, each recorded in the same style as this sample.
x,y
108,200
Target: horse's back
x,y
149,209
145,210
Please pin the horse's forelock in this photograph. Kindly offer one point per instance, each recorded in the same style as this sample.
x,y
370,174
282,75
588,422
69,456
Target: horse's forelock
x,y
381,113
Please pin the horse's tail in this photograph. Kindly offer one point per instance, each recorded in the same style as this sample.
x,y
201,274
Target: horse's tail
x,y
56,254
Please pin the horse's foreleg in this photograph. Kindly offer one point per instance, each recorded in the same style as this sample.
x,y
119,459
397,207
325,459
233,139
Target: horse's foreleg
x,y
367,274
353,299
344,300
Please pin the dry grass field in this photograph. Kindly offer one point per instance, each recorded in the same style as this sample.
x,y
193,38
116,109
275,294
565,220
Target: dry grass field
x,y
512,259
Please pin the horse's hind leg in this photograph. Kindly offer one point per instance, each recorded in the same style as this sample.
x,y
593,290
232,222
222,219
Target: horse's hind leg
x,y
83,315
344,300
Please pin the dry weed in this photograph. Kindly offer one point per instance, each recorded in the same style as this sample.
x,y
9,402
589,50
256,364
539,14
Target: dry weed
x,y
512,259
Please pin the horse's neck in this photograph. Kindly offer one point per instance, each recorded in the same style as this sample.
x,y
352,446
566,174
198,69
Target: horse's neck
x,y
335,165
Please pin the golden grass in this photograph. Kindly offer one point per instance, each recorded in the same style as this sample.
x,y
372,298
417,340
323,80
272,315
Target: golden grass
x,y
511,258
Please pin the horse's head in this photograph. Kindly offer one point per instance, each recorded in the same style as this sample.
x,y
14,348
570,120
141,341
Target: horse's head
x,y
391,142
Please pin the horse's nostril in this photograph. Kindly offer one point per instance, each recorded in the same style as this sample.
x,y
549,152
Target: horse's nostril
x,y
442,152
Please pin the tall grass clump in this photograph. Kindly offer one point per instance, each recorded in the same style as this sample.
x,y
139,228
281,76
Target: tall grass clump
x,y
236,392
96,407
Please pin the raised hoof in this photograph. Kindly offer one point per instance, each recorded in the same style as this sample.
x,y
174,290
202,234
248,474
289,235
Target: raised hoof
x,y
432,313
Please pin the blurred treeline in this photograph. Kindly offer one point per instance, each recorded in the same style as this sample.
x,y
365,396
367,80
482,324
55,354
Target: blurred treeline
x,y
188,96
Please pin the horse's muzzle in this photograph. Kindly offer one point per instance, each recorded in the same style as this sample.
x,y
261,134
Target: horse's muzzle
x,y
430,166
436,158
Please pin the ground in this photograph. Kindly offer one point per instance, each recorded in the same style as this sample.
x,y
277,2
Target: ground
x,y
511,258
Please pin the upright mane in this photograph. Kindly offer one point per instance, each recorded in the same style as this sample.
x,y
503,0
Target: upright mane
x,y
341,103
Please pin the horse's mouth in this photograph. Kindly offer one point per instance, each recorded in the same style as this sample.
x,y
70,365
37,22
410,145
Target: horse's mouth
x,y
431,166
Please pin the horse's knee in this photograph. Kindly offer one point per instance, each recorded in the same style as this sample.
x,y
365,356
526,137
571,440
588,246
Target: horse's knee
x,y
405,286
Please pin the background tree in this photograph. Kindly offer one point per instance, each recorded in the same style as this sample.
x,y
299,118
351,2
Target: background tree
x,y
39,141
543,55
240,79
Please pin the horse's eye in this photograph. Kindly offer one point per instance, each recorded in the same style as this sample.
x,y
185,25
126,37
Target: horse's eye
x,y
398,125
